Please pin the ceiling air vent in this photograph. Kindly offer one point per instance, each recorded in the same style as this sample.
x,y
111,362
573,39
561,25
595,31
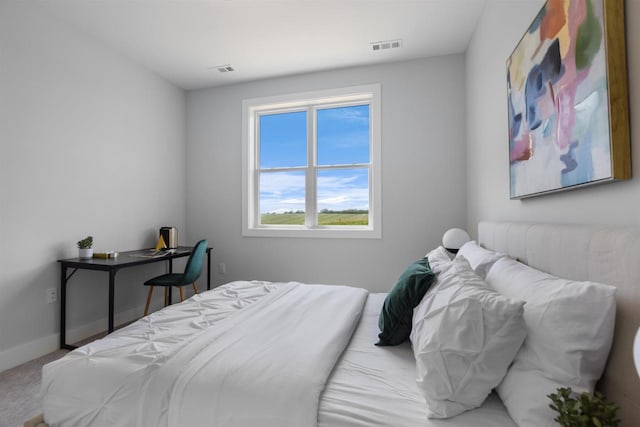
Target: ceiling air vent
x,y
224,68
387,44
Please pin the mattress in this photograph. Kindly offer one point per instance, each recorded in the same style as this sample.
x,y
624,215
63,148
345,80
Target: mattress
x,y
375,386
368,386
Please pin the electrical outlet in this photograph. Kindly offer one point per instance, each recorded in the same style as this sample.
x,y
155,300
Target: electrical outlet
x,y
52,295
222,269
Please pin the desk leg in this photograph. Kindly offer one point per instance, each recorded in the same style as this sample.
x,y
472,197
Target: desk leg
x,y
170,287
112,280
209,270
63,307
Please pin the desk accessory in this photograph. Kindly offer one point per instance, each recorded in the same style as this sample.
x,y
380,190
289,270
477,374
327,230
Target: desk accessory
x,y
161,243
170,236
105,255
84,248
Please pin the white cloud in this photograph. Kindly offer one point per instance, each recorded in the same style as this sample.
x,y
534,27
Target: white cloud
x,y
278,182
335,200
282,192
350,198
344,191
325,181
285,191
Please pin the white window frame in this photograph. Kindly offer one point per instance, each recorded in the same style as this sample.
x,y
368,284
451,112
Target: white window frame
x,y
252,108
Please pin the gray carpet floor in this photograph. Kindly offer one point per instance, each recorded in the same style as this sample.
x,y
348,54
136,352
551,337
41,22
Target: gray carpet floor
x,y
20,387
20,390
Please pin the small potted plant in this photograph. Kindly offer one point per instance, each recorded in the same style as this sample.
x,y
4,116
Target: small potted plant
x,y
584,410
84,248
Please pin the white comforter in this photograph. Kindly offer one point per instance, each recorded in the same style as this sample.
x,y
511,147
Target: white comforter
x,y
255,354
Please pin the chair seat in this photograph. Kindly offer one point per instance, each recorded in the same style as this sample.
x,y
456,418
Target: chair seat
x,y
170,279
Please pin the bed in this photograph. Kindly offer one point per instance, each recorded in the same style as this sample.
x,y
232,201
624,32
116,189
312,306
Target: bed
x,y
604,254
228,357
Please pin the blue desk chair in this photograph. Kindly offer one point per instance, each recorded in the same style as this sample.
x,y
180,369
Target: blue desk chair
x,y
191,273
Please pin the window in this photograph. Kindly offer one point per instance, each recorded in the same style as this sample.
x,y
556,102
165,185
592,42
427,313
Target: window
x,y
311,164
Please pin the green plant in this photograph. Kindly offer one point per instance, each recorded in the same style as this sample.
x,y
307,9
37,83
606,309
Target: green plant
x,y
584,410
86,243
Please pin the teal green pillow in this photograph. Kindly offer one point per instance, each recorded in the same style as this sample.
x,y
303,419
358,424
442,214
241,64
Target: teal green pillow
x,y
397,311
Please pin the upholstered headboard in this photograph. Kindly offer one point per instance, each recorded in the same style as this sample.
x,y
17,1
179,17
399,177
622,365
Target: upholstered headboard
x,y
603,254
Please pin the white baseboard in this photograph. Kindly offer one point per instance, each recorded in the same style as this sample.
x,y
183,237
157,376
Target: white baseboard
x,y
85,331
23,353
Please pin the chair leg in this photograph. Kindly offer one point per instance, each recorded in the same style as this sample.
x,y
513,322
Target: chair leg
x,y
146,307
181,293
195,287
166,296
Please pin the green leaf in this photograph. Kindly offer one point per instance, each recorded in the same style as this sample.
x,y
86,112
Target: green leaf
x,y
583,410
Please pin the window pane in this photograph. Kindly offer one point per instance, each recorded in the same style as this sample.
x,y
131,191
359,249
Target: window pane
x,y
343,135
282,198
283,140
343,197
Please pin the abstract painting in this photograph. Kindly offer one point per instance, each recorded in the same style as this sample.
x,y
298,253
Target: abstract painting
x,y
568,99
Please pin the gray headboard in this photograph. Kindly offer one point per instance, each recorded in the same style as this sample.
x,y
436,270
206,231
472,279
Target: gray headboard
x,y
603,254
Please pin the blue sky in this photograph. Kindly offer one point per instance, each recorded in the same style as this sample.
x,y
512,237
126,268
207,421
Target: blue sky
x,y
343,138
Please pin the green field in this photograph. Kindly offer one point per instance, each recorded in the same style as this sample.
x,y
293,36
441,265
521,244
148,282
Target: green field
x,y
323,219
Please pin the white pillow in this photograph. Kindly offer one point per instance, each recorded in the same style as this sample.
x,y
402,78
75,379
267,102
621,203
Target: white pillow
x,y
569,334
464,337
479,258
438,258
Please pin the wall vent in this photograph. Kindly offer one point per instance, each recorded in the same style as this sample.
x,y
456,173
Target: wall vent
x,y
386,44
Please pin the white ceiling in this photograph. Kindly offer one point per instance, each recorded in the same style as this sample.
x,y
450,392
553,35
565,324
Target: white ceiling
x,y
182,40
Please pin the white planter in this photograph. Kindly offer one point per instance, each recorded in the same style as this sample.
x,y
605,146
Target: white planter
x,y
85,253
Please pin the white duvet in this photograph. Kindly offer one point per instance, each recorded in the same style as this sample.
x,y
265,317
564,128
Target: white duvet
x,y
245,354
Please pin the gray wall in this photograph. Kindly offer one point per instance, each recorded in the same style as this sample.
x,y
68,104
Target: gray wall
x,y
498,31
82,133
423,180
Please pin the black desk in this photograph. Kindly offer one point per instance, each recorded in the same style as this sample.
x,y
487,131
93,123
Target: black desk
x,y
113,265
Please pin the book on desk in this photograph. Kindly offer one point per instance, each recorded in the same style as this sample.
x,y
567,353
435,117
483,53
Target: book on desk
x,y
105,255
